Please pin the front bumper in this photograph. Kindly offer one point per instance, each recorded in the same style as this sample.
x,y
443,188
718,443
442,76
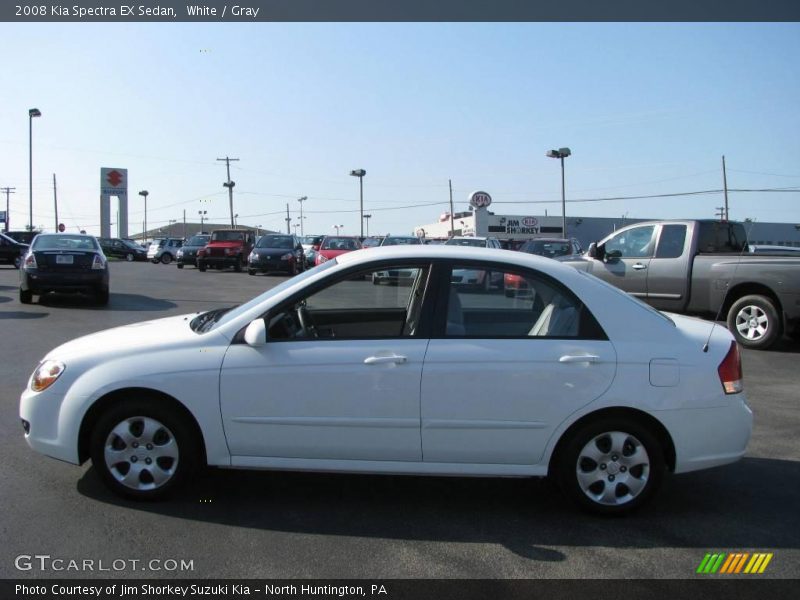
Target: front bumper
x,y
51,432
225,261
270,266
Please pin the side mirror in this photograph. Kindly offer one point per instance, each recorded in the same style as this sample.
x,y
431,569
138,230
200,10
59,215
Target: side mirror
x,y
256,333
592,251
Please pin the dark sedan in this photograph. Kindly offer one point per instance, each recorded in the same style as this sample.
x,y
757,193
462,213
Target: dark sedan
x,y
119,248
187,254
11,251
64,262
277,253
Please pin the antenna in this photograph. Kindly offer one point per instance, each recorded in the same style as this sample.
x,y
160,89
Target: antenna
x,y
733,277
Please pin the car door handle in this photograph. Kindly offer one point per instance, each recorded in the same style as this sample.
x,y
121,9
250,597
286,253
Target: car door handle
x,y
382,360
582,358
639,266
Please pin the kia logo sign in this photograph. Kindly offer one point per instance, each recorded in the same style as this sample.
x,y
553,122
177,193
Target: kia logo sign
x,y
530,221
480,199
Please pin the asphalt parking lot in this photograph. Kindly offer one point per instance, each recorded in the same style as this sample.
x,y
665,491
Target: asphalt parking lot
x,y
286,525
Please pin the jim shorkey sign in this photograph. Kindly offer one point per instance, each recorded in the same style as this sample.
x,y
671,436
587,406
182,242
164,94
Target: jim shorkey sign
x,y
113,182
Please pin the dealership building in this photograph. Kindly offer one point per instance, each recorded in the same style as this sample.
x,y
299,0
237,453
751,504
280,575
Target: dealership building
x,y
481,222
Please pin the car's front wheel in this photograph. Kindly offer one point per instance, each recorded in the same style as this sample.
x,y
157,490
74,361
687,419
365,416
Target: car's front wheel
x,y
755,322
611,466
25,296
166,258
143,450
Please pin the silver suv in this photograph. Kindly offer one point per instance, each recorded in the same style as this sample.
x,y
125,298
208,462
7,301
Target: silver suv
x,y
164,250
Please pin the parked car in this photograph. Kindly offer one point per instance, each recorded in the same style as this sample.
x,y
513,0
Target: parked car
x,y
23,237
335,245
226,248
400,240
11,251
600,392
64,262
702,268
119,248
547,247
187,254
275,252
164,250
473,242
371,242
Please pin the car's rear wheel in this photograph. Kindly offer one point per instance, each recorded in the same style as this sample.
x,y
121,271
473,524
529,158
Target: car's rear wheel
x,y
179,265
166,258
611,466
143,450
755,322
201,266
25,296
251,271
102,296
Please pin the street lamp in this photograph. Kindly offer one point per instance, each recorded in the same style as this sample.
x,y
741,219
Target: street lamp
x,y
33,112
144,194
301,200
562,153
236,216
367,217
337,228
360,174
202,214
169,228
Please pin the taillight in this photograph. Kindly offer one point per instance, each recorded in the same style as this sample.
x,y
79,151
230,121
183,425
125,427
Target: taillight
x,y
30,261
98,263
730,371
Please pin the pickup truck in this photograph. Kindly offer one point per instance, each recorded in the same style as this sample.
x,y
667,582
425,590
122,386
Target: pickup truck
x,y
702,268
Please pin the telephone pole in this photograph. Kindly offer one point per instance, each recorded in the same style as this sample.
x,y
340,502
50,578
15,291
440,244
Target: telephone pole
x,y
725,184
229,184
288,219
301,200
452,229
55,201
7,190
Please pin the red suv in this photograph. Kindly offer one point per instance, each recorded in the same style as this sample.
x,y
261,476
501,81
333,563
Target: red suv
x,y
226,248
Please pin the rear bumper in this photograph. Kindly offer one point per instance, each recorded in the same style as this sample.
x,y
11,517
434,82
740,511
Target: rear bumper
x,y
38,282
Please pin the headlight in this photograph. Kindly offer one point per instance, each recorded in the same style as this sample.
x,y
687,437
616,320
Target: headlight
x,y
287,256
321,259
253,257
46,374
179,253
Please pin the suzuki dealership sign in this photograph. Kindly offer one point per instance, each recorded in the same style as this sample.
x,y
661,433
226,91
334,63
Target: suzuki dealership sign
x,y
113,182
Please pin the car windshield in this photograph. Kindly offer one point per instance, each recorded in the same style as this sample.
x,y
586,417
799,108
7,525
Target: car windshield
x,y
340,243
544,248
197,240
64,242
473,242
227,236
371,242
132,245
230,315
398,241
275,241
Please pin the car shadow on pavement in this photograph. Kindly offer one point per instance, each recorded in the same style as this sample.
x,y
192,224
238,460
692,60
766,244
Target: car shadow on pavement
x,y
126,302
15,314
749,504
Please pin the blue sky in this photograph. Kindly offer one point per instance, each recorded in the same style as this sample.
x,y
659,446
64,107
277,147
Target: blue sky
x,y
646,109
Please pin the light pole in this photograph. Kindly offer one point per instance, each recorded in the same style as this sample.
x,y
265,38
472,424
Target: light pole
x,y
301,200
202,214
562,153
230,185
367,218
236,216
169,228
33,112
360,174
144,194
337,228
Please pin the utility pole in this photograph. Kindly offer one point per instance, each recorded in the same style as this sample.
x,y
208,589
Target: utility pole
x,y
184,223
720,213
452,227
301,200
367,218
288,219
7,190
725,184
55,202
229,184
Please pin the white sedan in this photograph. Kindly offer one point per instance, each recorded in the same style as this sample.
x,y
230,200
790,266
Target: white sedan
x,y
327,372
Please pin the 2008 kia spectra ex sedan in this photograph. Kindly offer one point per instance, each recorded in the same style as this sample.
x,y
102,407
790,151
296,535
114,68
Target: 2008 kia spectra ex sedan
x,y
327,372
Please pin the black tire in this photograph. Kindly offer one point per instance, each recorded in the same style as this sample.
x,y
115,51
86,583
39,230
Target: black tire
x,y
102,297
25,296
179,265
17,262
166,258
237,266
174,429
293,269
154,261
129,257
201,266
648,473
755,322
251,271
